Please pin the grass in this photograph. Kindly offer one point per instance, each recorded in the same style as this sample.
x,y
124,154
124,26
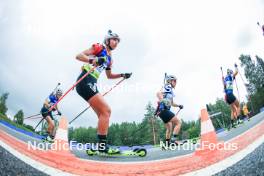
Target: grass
x,y
5,118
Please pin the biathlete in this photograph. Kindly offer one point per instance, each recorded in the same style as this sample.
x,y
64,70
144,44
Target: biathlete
x,y
165,97
49,102
230,98
99,56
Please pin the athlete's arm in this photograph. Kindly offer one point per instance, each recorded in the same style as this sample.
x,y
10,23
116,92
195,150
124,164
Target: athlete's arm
x,y
111,75
46,103
224,84
174,104
58,111
86,56
160,95
236,71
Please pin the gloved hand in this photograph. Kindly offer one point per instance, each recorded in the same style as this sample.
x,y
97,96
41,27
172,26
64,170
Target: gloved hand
x,y
180,106
53,109
126,75
100,60
235,65
59,113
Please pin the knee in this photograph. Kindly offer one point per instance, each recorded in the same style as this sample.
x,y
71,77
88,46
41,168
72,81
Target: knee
x,y
179,123
106,112
51,125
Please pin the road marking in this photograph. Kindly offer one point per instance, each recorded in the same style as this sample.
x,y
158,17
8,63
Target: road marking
x,y
33,163
229,161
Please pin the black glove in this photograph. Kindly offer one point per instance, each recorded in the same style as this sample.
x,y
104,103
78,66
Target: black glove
x,y
126,75
235,65
180,106
100,60
59,113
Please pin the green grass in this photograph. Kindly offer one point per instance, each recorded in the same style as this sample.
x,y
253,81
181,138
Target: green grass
x,y
5,118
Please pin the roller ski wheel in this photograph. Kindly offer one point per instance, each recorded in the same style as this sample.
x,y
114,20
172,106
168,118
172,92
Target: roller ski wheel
x,y
48,140
136,149
90,152
141,152
109,152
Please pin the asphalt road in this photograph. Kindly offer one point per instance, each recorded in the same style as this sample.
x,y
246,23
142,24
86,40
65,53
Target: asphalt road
x,y
153,153
252,164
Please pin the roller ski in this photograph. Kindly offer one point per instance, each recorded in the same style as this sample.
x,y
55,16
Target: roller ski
x,y
48,139
141,152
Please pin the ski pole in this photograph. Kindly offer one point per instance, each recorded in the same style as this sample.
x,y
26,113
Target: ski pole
x,y
31,116
56,87
261,27
222,72
37,117
237,90
102,95
247,91
223,78
241,77
165,78
77,82
178,112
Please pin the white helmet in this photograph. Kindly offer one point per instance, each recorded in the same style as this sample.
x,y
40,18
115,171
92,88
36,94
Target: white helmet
x,y
229,71
169,78
110,35
59,92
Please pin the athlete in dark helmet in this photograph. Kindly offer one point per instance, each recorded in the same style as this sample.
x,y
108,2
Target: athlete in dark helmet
x,y
99,55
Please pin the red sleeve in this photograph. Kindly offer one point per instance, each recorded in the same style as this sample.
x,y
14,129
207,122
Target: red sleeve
x,y
97,48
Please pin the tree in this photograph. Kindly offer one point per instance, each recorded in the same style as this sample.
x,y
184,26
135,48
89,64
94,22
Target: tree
x,y
132,133
3,108
224,119
19,117
31,128
254,73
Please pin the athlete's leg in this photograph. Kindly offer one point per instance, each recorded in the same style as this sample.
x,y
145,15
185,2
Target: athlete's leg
x,y
103,112
237,105
168,130
234,111
50,126
233,115
177,127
